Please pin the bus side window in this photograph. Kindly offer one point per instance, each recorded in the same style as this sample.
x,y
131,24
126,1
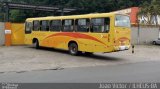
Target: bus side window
x,y
68,25
36,25
100,25
44,25
55,25
82,25
28,27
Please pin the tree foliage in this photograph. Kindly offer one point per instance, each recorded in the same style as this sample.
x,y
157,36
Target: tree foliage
x,y
150,10
84,6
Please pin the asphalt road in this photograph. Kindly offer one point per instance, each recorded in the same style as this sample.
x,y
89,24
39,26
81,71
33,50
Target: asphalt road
x,y
131,72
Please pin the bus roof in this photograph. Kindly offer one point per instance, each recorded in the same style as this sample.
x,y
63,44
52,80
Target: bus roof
x,y
74,16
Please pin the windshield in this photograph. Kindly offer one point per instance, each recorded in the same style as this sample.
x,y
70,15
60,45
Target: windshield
x,y
122,21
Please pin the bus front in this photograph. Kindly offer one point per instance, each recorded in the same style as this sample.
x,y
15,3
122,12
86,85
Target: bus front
x,y
122,33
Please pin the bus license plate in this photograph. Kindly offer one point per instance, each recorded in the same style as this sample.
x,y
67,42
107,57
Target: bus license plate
x,y
122,48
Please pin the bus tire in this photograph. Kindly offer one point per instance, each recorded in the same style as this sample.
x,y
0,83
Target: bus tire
x,y
73,49
36,44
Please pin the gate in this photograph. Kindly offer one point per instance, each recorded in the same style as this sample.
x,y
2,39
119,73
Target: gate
x,y
18,33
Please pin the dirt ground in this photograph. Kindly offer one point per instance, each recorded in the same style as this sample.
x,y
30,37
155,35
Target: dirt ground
x,y
26,58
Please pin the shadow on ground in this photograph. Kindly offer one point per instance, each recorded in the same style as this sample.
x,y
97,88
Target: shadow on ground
x,y
92,56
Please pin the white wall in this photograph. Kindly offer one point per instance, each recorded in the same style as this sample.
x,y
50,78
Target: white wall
x,y
147,34
2,35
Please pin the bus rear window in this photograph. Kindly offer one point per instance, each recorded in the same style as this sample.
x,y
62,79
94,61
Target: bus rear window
x,y
122,21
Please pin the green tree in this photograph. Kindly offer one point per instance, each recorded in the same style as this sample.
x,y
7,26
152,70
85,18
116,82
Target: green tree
x,y
84,7
150,10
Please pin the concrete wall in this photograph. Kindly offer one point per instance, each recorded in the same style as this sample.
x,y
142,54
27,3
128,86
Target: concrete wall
x,y
147,34
2,35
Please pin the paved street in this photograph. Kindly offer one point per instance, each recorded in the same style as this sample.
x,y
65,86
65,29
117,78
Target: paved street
x,y
134,72
26,58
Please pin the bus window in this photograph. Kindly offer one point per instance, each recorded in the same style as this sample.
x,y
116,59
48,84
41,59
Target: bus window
x,y
100,25
68,25
44,25
36,25
82,25
55,25
28,27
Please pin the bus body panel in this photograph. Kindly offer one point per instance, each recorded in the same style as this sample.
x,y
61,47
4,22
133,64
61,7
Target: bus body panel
x,y
94,42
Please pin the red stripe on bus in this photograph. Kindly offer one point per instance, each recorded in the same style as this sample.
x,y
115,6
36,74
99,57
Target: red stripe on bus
x,y
75,35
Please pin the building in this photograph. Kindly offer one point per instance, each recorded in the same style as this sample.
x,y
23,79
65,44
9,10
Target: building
x,y
143,19
132,12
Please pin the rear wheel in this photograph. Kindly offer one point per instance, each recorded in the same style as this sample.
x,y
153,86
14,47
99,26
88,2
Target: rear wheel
x,y
36,44
73,48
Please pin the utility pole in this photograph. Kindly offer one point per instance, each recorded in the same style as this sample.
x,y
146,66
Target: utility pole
x,y
159,32
62,13
6,12
138,33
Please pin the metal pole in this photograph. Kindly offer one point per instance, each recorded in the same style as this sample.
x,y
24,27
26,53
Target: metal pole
x,y
138,39
132,49
62,13
159,32
7,13
4,17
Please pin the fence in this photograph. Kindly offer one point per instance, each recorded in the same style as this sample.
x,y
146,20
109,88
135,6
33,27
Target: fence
x,y
146,34
18,34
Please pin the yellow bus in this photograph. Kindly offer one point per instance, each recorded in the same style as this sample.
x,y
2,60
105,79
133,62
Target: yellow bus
x,y
89,33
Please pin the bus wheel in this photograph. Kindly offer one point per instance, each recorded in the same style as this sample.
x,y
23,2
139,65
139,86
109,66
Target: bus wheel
x,y
73,49
36,44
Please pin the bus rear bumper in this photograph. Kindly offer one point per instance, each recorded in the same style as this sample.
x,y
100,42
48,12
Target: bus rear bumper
x,y
119,48
122,48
